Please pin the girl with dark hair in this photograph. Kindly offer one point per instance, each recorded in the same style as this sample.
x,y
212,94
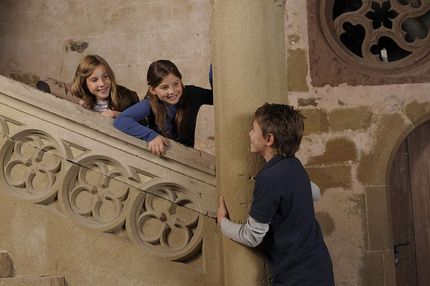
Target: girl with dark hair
x,y
169,107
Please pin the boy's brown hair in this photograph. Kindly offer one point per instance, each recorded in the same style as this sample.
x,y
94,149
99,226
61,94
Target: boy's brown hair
x,y
284,123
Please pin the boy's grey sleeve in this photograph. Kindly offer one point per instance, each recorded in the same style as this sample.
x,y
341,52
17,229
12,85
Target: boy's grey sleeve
x,y
250,234
316,193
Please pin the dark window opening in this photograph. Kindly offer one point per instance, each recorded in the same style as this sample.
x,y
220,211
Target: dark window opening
x,y
383,19
381,15
353,38
343,6
388,50
416,27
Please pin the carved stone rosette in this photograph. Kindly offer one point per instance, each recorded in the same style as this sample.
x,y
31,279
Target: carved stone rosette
x,y
377,36
32,165
95,194
167,220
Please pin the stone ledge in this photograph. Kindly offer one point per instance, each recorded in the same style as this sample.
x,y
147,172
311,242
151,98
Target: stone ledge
x,y
49,280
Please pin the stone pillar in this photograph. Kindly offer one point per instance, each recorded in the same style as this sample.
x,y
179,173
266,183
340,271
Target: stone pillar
x,y
248,57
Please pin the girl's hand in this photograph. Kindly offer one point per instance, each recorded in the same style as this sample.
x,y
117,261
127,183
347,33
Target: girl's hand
x,y
84,104
110,113
156,145
222,210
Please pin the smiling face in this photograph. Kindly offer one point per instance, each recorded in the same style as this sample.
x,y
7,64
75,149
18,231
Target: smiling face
x,y
260,144
99,83
169,90
256,138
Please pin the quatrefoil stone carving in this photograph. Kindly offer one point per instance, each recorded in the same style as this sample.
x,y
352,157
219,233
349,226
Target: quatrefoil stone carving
x,y
166,219
32,165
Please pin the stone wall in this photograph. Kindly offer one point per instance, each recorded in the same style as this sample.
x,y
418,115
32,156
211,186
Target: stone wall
x,y
351,134
47,38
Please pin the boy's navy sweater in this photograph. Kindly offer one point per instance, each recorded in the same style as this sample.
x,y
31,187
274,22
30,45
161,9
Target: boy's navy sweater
x,y
294,244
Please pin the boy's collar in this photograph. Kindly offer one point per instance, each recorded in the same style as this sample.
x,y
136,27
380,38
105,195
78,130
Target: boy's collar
x,y
275,159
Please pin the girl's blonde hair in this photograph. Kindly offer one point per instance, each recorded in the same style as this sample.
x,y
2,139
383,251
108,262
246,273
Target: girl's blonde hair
x,y
79,88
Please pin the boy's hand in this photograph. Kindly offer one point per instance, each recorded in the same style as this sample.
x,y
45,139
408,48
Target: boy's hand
x,y
156,145
222,210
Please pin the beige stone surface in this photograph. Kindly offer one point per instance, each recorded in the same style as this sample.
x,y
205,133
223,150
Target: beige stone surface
x,y
129,34
43,241
350,118
298,70
338,151
326,222
316,121
415,110
6,264
54,280
373,271
344,232
378,218
331,176
373,168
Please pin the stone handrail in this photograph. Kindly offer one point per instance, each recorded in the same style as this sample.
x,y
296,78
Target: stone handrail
x,y
54,152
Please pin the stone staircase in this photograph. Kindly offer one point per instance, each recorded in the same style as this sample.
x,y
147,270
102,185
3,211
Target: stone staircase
x,y
8,277
78,197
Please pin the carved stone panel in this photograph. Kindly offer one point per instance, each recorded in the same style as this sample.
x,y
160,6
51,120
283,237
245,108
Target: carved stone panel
x,y
166,220
32,165
94,193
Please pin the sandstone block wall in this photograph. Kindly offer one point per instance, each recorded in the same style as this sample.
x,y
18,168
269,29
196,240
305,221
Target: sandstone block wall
x,y
351,134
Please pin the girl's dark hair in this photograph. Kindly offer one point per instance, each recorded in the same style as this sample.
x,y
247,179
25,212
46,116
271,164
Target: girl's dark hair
x,y
284,123
86,67
157,71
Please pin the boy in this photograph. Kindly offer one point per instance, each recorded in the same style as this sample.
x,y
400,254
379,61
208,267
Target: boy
x,y
282,214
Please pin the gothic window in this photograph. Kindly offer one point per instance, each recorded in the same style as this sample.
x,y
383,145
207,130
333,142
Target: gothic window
x,y
376,37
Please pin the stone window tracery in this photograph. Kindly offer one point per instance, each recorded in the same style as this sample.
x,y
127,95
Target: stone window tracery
x,y
377,36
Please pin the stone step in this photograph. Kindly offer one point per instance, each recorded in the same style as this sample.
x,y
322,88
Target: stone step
x,y
6,265
7,275
50,280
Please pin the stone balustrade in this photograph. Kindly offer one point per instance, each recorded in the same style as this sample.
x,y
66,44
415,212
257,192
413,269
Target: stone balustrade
x,y
53,152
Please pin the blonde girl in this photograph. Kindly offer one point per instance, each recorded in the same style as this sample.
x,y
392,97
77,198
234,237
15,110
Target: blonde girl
x,y
95,85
